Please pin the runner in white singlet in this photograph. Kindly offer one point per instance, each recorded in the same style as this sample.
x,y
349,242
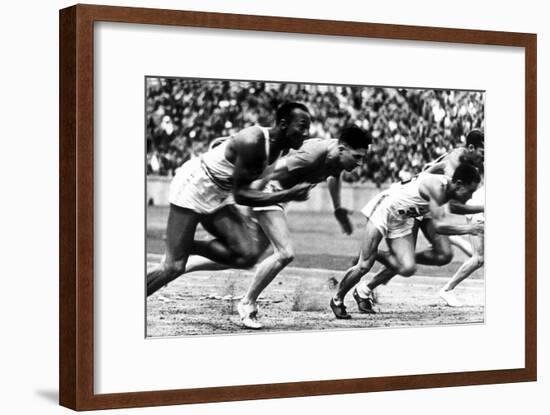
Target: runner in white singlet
x,y
206,189
473,263
315,161
205,183
391,216
440,251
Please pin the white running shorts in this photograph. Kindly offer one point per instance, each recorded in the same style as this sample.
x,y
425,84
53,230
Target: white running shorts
x,y
390,224
191,188
271,187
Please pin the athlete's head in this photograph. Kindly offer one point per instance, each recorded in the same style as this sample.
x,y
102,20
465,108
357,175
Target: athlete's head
x,y
293,121
476,139
475,144
353,145
466,180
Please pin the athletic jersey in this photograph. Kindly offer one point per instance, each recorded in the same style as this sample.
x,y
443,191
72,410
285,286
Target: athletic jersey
x,y
464,156
219,169
310,163
405,199
478,198
434,162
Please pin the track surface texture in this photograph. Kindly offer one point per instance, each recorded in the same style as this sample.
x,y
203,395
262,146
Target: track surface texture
x,y
205,303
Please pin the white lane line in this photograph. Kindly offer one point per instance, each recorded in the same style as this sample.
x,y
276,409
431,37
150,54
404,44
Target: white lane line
x,y
297,272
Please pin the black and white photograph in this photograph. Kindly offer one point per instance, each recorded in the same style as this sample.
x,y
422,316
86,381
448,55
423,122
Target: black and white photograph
x,y
281,206
264,207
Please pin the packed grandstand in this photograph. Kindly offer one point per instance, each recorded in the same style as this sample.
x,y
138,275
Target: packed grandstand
x,y
409,126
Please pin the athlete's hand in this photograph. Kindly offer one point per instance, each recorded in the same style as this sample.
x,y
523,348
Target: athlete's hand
x,y
300,192
479,227
342,216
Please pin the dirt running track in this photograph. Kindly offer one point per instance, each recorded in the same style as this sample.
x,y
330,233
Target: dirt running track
x,y
204,303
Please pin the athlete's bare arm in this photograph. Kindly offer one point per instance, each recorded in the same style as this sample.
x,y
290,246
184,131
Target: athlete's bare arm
x,y
459,208
334,189
341,214
448,165
247,152
437,168
434,190
279,171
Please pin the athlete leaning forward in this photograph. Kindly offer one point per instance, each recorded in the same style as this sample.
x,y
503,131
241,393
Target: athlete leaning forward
x,y
440,251
206,189
316,161
391,215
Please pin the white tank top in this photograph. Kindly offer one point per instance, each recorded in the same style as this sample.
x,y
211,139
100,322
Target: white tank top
x,y
219,169
437,160
478,198
405,198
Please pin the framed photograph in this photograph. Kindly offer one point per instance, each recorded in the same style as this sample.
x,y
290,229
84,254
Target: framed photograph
x,y
258,207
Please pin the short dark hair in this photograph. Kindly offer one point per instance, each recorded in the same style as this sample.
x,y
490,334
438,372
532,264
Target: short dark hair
x,y
467,174
285,110
355,137
475,138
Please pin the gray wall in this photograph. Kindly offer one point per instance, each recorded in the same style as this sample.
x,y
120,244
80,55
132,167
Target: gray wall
x,y
354,196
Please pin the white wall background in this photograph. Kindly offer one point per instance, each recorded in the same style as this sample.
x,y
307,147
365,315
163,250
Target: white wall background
x,y
28,214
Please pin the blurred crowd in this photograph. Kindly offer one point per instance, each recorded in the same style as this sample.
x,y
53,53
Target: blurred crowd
x,y
410,127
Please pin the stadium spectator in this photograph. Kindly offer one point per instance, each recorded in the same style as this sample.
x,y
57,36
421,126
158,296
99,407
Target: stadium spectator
x,y
409,127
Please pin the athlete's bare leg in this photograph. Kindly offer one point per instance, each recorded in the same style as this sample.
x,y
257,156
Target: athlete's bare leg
x,y
235,244
462,244
367,255
233,247
200,263
402,254
402,250
385,274
440,252
180,232
223,247
274,226
466,269
397,259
